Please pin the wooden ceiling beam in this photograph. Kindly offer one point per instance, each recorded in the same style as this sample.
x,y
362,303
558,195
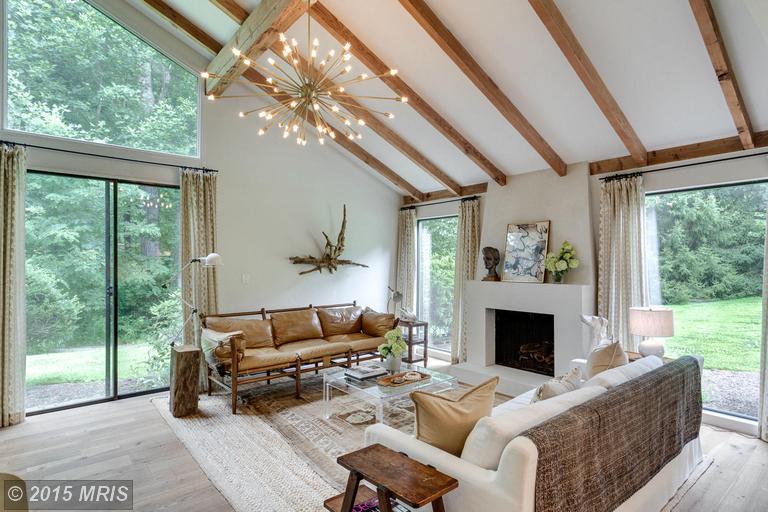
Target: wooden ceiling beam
x,y
452,47
381,128
564,37
370,60
678,153
232,9
251,74
258,32
184,24
469,190
713,40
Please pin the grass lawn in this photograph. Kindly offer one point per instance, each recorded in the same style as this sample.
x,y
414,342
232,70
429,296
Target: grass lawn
x,y
83,365
726,333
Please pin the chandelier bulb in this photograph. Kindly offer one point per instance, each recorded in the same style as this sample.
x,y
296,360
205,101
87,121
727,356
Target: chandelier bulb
x,y
269,80
332,53
236,52
262,114
295,61
211,97
321,141
261,132
393,72
294,42
364,76
322,63
332,134
247,62
241,114
404,99
361,122
359,136
293,104
391,115
348,69
269,116
335,108
347,56
351,137
316,42
347,46
205,74
271,61
282,37
347,122
314,54
341,89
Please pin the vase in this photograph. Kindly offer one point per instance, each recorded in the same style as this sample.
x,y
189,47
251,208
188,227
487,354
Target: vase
x,y
558,277
392,363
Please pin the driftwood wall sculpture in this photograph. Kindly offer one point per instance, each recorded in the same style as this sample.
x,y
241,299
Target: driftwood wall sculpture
x,y
331,256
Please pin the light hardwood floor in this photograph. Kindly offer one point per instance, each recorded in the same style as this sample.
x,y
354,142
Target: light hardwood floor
x,y
128,439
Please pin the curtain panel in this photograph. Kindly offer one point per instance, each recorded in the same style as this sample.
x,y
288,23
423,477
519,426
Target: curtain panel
x,y
622,276
13,343
405,276
467,249
198,238
762,424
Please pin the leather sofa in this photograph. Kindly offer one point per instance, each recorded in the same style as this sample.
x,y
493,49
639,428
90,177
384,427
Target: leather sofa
x,y
255,346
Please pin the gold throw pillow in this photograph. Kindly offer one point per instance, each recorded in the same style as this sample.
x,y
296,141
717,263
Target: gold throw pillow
x,y
445,421
605,357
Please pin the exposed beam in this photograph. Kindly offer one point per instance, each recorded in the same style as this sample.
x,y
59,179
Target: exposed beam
x,y
232,9
464,60
678,153
257,33
469,190
251,74
713,40
388,134
370,60
565,38
183,24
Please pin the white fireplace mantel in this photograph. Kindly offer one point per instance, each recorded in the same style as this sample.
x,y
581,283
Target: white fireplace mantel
x,y
566,302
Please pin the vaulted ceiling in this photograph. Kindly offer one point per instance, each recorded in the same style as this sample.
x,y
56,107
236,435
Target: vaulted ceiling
x,y
513,86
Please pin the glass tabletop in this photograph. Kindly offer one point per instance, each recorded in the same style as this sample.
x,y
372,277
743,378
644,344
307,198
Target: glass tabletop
x,y
341,382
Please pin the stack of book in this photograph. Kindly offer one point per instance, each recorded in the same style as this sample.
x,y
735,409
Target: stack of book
x,y
361,373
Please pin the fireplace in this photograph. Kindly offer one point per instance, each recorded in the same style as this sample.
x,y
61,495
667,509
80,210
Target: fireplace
x,y
525,341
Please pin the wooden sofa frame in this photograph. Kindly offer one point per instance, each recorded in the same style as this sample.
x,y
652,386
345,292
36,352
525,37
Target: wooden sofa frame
x,y
291,370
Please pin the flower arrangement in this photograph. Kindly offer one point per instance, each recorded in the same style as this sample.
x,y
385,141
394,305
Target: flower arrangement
x,y
395,345
560,264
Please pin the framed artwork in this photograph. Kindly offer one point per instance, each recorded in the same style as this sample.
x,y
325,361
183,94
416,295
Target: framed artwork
x,y
525,251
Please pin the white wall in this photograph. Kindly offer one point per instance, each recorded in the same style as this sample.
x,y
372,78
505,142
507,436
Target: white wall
x,y
543,195
275,199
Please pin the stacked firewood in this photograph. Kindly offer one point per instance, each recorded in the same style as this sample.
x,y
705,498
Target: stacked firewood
x,y
541,353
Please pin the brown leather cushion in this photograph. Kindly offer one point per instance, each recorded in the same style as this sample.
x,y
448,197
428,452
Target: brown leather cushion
x,y
255,358
296,325
358,342
341,320
257,333
377,324
312,349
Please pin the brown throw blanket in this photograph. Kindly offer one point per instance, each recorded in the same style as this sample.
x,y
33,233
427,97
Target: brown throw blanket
x,y
596,455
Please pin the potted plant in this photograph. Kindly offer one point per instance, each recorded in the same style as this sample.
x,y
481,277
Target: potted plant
x,y
393,350
559,264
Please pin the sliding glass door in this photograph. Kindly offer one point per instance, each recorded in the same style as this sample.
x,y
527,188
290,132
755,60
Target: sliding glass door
x,y
101,257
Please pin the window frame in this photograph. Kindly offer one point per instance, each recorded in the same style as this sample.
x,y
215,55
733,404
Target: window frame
x,y
106,149
757,181
418,267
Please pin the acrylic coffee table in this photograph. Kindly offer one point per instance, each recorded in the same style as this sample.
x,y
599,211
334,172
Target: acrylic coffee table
x,y
371,392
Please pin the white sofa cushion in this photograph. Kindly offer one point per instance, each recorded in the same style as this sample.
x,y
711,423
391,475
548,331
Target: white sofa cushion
x,y
491,435
615,376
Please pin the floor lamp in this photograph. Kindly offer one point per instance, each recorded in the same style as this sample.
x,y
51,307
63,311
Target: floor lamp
x,y
210,261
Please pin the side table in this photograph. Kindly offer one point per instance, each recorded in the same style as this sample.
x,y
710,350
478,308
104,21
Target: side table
x,y
416,333
395,475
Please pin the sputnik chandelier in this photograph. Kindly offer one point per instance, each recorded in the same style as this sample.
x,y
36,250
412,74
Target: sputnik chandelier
x,y
307,92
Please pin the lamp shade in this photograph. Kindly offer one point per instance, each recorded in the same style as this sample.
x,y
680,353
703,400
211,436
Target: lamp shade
x,y
212,260
653,322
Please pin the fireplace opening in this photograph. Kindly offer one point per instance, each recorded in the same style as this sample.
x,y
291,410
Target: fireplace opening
x,y
525,341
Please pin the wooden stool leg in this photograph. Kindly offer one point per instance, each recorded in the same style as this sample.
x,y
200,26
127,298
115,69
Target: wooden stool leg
x,y
426,345
210,384
269,372
351,492
437,505
385,503
316,368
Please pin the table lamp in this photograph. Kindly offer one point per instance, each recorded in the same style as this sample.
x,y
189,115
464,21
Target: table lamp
x,y
654,323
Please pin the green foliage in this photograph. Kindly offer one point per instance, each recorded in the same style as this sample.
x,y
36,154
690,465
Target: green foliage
x,y
75,73
438,260
711,242
54,311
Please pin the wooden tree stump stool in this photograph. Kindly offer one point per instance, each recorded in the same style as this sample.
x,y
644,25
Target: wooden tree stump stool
x,y
395,475
185,380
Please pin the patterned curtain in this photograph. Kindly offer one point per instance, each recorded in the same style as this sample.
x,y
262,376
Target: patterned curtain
x,y
198,238
763,414
13,343
622,276
405,280
467,249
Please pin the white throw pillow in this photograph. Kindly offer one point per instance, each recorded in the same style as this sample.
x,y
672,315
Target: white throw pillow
x,y
613,377
571,381
491,435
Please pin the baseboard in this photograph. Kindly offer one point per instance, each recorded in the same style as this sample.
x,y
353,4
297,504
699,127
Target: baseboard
x,y
728,422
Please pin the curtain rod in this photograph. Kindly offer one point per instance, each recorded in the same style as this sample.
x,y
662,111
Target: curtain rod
x,y
133,160
462,199
680,166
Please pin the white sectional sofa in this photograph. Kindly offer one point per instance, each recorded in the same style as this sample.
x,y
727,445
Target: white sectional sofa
x,y
497,469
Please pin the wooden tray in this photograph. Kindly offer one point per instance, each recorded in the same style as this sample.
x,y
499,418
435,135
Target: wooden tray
x,y
388,380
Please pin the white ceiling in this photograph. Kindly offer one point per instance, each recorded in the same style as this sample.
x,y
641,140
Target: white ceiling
x,y
649,54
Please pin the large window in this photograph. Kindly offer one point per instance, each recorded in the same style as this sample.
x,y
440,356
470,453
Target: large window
x,y
73,72
102,301
436,245
705,255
